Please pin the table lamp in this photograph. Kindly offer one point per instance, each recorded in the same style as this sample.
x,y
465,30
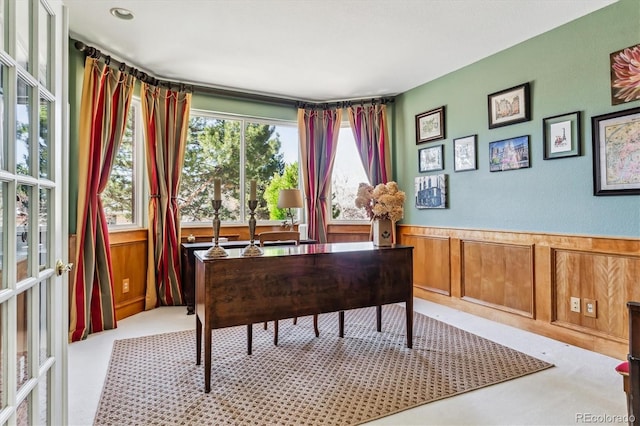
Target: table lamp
x,y
290,199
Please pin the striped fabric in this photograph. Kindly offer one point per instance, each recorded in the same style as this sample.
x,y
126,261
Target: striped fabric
x,y
318,132
369,125
106,98
166,117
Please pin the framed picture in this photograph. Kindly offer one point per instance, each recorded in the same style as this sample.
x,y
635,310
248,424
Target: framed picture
x,y
624,75
509,154
509,106
616,169
430,125
464,153
430,159
561,134
431,191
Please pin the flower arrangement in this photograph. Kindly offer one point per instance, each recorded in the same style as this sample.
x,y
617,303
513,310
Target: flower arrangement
x,y
385,201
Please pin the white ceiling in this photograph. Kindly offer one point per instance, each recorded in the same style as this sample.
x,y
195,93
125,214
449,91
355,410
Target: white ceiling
x,y
314,50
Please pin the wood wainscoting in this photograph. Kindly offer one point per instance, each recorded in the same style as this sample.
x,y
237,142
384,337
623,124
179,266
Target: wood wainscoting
x,y
527,280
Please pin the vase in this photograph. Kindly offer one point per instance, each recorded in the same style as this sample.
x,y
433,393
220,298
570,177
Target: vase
x,y
382,230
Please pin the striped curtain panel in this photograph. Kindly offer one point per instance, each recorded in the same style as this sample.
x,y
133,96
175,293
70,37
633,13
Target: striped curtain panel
x,y
106,98
166,120
369,125
318,132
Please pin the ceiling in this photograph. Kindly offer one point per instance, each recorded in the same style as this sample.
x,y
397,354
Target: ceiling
x,y
314,50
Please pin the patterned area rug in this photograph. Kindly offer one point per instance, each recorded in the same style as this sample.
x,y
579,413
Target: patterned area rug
x,y
305,380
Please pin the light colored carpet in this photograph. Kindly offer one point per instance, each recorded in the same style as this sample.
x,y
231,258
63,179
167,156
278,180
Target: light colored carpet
x,y
305,380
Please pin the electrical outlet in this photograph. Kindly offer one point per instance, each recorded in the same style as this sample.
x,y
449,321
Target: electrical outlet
x,y
590,308
125,285
575,304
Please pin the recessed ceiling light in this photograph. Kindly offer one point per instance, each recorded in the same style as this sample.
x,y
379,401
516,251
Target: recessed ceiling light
x,y
121,13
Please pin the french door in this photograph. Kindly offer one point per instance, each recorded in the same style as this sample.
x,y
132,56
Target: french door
x,y
33,225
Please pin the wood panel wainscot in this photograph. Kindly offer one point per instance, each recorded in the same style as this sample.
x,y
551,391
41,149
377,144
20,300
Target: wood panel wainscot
x,y
498,275
431,260
601,284
528,280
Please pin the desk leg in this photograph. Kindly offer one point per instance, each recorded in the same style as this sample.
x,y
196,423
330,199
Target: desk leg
x,y
207,359
249,338
379,318
341,323
198,339
409,309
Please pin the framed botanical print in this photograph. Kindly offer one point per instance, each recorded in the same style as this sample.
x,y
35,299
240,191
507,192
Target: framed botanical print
x,y
430,125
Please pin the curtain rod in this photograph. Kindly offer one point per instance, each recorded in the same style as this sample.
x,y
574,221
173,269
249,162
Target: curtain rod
x,y
235,94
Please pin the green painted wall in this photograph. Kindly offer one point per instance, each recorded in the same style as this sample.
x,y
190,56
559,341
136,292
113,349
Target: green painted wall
x,y
568,69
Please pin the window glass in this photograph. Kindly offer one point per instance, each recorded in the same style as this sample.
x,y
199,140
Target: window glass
x,y
23,336
3,24
212,152
3,118
271,153
43,330
119,199
3,225
23,128
43,227
347,175
43,140
23,33
23,257
44,26
231,150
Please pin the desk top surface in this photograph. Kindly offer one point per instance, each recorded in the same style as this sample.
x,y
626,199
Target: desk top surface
x,y
303,249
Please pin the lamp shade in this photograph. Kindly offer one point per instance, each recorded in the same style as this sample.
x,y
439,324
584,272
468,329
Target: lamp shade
x,y
289,198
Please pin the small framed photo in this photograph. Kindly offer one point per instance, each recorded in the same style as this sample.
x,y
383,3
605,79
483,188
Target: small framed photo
x,y
509,106
464,153
431,191
616,169
430,159
430,125
561,135
624,75
509,154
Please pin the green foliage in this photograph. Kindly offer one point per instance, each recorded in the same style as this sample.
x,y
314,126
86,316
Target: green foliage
x,y
288,179
213,151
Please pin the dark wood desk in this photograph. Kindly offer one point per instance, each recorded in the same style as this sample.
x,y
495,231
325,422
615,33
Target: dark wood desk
x,y
294,281
188,273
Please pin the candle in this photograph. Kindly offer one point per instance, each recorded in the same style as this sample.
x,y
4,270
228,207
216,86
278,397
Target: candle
x,y
252,192
216,190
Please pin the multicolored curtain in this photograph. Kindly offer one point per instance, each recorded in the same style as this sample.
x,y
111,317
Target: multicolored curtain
x,y
318,132
369,125
166,116
106,98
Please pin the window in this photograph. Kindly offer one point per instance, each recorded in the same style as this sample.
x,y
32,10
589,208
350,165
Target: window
x,y
122,198
237,150
347,174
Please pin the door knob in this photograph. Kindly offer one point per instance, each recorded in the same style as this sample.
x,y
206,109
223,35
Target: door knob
x,y
62,267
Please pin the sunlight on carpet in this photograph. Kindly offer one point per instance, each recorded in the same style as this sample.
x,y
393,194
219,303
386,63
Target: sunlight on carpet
x,y
304,380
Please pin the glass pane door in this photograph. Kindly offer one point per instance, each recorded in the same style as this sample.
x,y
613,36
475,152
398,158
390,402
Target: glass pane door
x,y
33,298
